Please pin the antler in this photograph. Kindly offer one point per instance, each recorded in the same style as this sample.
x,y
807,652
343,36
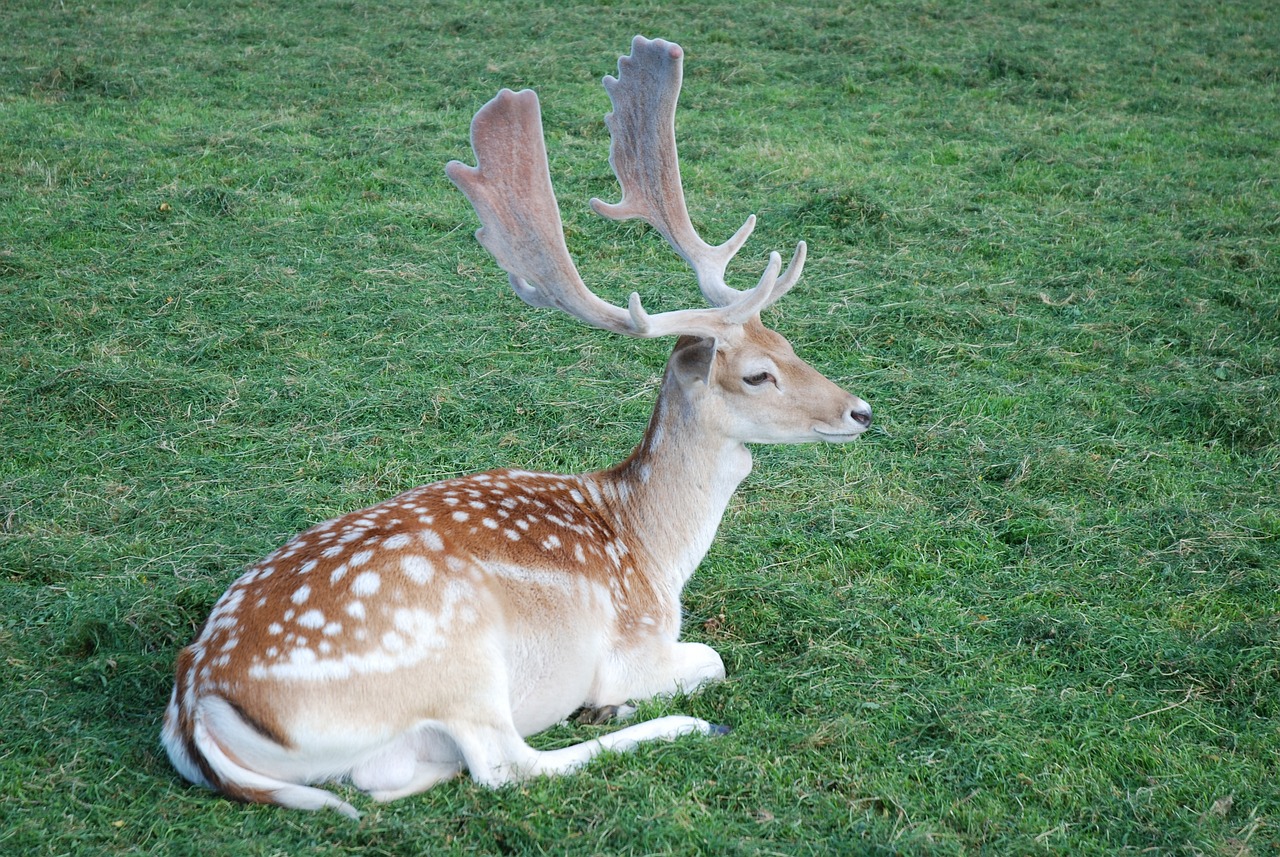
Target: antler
x,y
643,157
510,189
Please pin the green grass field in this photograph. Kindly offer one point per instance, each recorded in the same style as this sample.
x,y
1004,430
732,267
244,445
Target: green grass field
x,y
1036,610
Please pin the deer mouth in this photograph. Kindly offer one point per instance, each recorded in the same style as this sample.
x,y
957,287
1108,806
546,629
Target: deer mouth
x,y
838,436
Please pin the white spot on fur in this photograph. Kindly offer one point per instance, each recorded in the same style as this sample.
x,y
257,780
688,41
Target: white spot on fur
x,y
366,583
431,539
356,610
311,619
417,568
396,542
360,558
301,594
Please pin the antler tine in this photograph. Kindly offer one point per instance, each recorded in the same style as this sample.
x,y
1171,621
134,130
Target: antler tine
x,y
510,189
643,156
792,275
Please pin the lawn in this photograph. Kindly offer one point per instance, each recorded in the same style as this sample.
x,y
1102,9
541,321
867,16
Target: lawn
x,y
1035,610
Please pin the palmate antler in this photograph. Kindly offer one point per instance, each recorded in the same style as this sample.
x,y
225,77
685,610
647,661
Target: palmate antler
x,y
510,189
643,157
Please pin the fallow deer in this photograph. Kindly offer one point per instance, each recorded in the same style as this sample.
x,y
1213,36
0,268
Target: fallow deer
x,y
396,646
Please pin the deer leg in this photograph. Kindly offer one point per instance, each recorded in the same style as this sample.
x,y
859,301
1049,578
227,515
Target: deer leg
x,y
599,715
497,755
667,669
693,665
412,763
677,668
425,774
656,670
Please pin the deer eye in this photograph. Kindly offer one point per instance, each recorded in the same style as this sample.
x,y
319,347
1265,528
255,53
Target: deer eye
x,y
759,378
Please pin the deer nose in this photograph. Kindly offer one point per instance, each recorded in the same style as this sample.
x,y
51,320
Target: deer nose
x,y
860,413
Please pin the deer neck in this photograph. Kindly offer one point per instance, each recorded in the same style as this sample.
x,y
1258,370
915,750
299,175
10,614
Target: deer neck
x,y
671,494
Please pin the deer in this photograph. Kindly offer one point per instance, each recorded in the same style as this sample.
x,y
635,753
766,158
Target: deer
x,y
397,646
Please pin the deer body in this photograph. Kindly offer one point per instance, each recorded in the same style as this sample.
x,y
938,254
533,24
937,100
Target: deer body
x,y
395,646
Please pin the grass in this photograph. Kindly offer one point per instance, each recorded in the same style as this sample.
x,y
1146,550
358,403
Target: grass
x,y
1035,612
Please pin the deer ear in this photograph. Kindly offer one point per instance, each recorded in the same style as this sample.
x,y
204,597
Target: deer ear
x,y
693,358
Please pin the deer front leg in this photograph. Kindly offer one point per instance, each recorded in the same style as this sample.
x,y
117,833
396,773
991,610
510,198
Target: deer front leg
x,y
691,666
662,669
599,715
